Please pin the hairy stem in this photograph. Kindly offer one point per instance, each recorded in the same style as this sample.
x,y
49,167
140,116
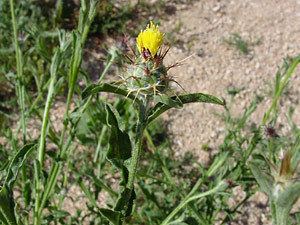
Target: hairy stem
x,y
138,145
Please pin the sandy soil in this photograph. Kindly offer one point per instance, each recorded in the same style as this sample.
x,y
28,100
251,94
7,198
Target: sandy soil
x,y
215,66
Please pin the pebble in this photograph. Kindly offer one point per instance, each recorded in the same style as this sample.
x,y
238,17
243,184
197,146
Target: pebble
x,y
200,52
216,8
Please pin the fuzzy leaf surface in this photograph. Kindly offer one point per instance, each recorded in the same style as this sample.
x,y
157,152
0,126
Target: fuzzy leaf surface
x,y
265,181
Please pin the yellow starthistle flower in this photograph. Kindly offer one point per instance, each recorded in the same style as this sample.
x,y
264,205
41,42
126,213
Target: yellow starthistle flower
x,y
149,40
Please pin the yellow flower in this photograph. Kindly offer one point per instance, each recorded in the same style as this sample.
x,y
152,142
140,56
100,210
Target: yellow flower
x,y
150,39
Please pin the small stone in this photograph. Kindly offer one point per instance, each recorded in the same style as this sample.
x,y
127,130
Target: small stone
x,y
200,52
216,8
257,65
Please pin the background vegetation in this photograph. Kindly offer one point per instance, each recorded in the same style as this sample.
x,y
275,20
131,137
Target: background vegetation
x,y
65,173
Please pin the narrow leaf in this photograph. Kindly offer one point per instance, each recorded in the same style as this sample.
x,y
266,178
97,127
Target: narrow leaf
x,y
7,205
166,100
217,164
160,107
113,117
111,88
16,164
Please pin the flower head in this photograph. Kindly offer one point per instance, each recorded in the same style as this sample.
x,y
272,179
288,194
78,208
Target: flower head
x,y
149,40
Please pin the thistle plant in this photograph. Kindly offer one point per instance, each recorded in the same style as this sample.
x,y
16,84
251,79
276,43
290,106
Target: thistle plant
x,y
278,175
146,82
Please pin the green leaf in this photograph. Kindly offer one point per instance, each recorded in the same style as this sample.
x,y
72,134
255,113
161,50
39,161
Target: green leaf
x,y
288,196
125,202
160,107
113,216
297,217
96,88
219,188
27,192
16,164
124,175
284,200
89,121
7,207
119,145
57,214
2,219
191,221
88,193
265,181
217,164
169,101
75,62
149,195
113,117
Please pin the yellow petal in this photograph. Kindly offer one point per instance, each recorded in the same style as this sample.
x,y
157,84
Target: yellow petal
x,y
150,39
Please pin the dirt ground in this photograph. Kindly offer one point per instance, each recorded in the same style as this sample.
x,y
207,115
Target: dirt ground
x,y
200,28
215,66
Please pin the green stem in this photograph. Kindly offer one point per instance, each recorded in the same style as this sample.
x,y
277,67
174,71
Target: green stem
x,y
138,145
56,168
55,65
100,139
49,187
273,212
44,131
20,88
58,11
110,62
36,219
73,74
